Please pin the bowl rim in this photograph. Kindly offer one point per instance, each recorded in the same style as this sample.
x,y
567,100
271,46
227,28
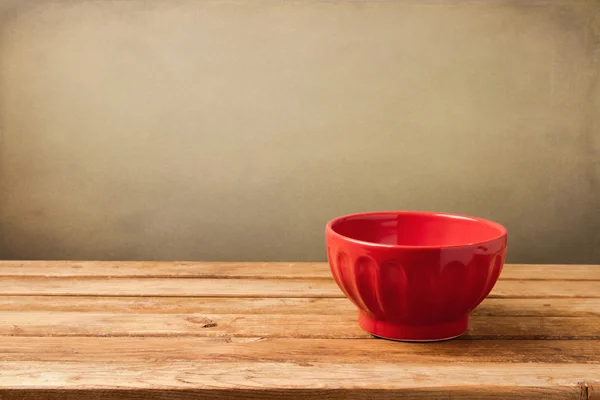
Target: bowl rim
x,y
503,232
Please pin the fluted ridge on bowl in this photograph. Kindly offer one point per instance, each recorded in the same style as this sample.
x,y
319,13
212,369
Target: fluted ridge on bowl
x,y
390,290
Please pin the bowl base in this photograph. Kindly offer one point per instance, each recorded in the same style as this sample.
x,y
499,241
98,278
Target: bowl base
x,y
413,333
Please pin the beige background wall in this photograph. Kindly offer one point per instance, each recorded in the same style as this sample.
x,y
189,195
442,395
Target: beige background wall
x,y
233,130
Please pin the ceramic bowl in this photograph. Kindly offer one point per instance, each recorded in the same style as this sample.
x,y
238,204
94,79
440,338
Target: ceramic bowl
x,y
415,276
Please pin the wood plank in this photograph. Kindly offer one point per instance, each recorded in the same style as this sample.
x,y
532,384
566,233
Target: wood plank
x,y
337,351
255,270
584,307
293,287
545,289
551,272
268,379
163,269
555,307
36,323
234,287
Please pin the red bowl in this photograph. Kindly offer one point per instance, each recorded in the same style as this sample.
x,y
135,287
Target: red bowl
x,y
415,276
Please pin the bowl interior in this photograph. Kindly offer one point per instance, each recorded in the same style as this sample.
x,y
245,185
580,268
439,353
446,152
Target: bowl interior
x,y
417,229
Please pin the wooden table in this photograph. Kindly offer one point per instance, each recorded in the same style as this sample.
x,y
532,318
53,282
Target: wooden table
x,y
134,330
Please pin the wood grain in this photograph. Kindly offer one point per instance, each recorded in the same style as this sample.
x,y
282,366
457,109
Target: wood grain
x,y
272,376
249,287
552,307
34,323
337,351
256,270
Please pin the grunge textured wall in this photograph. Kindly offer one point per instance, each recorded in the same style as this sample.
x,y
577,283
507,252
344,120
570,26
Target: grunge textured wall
x,y
233,130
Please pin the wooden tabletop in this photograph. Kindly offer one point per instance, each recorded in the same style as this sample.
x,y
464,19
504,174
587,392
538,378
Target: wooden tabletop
x,y
150,330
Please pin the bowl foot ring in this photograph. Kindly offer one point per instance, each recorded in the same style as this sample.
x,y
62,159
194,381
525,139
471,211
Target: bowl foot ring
x,y
413,333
